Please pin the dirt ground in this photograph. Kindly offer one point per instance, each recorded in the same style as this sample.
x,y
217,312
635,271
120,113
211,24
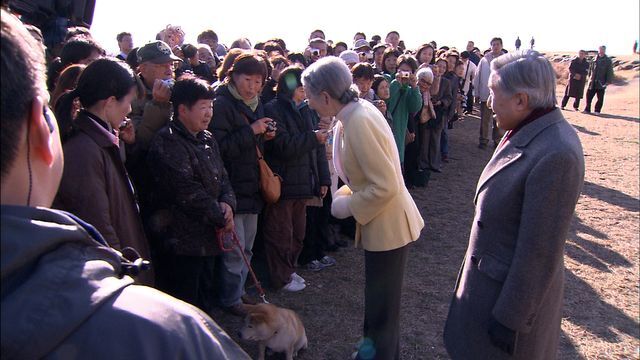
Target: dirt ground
x,y
601,313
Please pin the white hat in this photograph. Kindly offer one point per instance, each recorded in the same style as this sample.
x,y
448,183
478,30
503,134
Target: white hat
x,y
350,56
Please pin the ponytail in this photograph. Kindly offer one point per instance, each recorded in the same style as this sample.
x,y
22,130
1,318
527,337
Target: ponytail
x,y
62,109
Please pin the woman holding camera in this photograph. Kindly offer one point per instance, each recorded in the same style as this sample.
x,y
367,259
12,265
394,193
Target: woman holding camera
x,y
95,185
405,99
387,218
241,128
296,153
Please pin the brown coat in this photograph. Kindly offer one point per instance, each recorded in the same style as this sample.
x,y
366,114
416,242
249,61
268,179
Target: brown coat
x,y
95,187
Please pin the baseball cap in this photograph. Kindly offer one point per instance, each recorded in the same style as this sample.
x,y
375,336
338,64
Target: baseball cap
x,y
157,52
360,44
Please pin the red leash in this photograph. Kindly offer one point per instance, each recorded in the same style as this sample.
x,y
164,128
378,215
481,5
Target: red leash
x,y
235,243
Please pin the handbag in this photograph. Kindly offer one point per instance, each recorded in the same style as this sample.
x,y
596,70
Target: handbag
x,y
270,182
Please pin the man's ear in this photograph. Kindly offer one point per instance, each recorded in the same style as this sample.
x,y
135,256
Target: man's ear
x,y
40,134
522,101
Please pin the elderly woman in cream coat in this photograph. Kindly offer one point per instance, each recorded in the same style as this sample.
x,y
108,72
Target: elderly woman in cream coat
x,y
508,298
366,158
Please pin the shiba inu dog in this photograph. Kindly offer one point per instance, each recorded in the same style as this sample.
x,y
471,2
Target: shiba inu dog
x,y
279,329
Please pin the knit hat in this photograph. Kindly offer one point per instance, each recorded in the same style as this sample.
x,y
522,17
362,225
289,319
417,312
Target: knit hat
x,y
350,56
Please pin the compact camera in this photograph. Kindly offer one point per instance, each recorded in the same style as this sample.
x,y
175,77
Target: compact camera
x,y
124,123
169,83
405,74
315,52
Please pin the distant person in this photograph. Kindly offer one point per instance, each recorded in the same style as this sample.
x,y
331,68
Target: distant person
x,y
70,294
578,71
601,75
481,91
125,44
508,297
532,42
210,38
317,34
473,56
518,43
393,39
635,47
469,72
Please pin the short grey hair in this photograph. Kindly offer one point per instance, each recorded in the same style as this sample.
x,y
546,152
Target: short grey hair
x,y
426,74
330,74
525,72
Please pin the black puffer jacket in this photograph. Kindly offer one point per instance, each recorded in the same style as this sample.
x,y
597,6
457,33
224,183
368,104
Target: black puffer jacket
x,y
294,153
238,147
190,182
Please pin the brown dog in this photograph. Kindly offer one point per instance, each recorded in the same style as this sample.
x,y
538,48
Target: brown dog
x,y
277,328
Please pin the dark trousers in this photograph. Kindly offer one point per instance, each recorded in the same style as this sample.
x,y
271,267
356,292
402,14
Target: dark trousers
x,y
283,235
469,104
565,100
190,278
590,94
316,237
384,273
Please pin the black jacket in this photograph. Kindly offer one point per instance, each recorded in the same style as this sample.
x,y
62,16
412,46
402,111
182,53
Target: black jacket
x,y
601,72
294,153
190,181
238,147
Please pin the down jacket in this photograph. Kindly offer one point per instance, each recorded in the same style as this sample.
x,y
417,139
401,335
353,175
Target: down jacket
x,y
294,153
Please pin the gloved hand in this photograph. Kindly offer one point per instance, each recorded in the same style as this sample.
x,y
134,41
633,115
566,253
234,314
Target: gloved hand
x,y
502,337
340,207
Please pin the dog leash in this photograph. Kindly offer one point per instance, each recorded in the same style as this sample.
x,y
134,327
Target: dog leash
x,y
221,234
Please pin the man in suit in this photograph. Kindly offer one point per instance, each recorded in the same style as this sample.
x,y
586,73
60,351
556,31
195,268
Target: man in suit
x,y
508,297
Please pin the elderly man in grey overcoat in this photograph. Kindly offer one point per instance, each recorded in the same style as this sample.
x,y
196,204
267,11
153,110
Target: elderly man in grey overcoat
x,y
508,297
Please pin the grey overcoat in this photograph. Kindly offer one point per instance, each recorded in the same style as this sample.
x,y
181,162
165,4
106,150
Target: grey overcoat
x,y
514,267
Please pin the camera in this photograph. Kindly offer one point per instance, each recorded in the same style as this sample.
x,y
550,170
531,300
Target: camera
x,y
314,52
169,83
124,124
271,126
405,74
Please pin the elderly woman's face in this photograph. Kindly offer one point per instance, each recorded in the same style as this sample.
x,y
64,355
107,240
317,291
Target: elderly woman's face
x,y
505,106
424,85
318,102
248,86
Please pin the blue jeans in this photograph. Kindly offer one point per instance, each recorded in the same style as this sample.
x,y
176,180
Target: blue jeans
x,y
232,272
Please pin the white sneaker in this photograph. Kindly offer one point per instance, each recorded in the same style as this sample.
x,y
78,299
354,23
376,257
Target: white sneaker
x,y
294,286
297,278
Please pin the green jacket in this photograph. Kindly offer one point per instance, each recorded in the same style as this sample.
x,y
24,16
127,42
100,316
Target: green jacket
x,y
403,101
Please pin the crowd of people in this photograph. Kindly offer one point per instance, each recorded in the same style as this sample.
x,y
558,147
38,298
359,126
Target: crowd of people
x,y
163,145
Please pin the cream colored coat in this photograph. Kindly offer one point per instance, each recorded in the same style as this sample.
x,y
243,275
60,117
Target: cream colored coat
x,y
366,158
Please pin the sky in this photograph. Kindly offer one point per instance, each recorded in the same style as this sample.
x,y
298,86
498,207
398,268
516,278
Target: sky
x,y
556,25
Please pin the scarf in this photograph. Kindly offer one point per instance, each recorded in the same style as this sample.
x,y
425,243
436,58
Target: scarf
x,y
428,112
252,104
